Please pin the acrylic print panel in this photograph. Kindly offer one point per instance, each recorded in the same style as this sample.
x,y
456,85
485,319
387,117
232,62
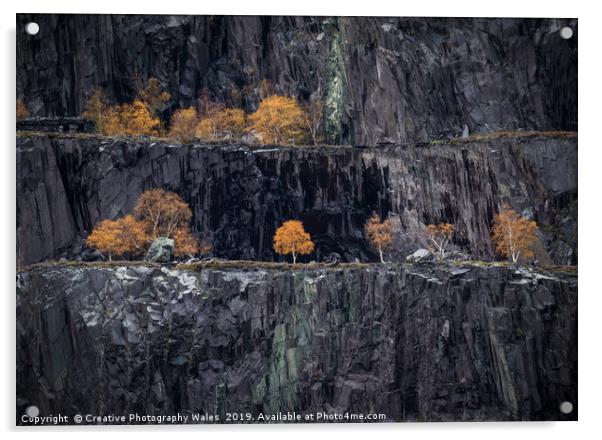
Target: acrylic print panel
x,y
229,219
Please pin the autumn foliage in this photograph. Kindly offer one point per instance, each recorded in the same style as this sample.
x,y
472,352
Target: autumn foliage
x,y
158,213
279,120
164,211
118,237
439,236
513,234
185,243
22,111
183,125
131,119
379,234
96,109
220,123
291,238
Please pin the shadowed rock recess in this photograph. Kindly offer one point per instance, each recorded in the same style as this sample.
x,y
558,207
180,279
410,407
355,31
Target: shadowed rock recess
x,y
381,79
414,343
240,195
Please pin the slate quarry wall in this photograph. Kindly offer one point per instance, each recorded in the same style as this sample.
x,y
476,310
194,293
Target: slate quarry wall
x,y
380,79
414,343
240,195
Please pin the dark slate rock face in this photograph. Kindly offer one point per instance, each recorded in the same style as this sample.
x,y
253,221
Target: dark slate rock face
x,y
239,195
415,343
380,79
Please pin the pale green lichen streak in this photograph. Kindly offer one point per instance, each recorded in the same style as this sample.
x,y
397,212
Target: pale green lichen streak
x,y
334,102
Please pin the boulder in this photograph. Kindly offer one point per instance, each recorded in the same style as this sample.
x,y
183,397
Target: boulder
x,y
418,255
160,251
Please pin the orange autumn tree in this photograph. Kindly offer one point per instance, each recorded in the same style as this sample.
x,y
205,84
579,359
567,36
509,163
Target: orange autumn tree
x,y
219,123
278,120
96,109
159,213
118,237
164,211
291,238
439,235
230,122
513,234
184,242
379,234
165,214
134,119
121,120
183,124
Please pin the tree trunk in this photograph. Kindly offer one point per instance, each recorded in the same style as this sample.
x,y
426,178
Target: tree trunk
x,y
294,258
382,260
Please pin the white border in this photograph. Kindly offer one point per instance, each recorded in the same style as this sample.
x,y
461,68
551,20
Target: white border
x,y
590,215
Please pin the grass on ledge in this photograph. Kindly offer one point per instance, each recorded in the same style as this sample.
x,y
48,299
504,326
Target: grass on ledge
x,y
486,264
272,265
88,264
481,263
170,141
211,264
477,137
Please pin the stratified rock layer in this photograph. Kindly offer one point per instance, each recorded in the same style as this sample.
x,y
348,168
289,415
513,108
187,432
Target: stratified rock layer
x,y
380,79
414,343
240,195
